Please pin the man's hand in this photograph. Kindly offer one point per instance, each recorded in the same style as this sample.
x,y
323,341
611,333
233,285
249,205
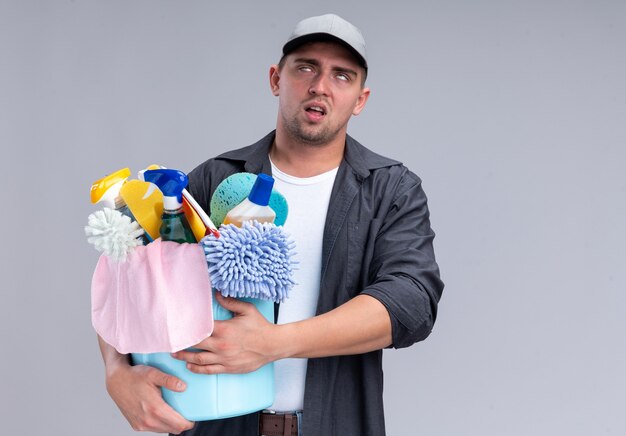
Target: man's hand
x,y
238,345
135,390
248,341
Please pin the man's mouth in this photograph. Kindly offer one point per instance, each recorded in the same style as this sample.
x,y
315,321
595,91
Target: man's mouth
x,y
316,110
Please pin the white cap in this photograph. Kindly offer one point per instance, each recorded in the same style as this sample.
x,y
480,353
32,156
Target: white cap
x,y
328,27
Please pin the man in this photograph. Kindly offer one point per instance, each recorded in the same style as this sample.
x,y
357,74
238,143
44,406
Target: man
x,y
367,276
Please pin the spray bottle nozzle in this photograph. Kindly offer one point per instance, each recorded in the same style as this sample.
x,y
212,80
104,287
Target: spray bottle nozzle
x,y
107,189
171,183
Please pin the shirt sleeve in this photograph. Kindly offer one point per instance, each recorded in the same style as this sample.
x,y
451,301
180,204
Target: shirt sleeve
x,y
404,275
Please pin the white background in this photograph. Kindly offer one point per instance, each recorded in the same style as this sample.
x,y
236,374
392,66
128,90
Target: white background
x,y
513,114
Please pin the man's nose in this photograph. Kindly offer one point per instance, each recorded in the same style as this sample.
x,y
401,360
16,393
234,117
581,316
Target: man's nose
x,y
319,85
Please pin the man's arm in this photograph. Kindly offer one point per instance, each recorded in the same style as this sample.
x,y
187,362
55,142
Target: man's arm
x,y
135,390
358,326
403,274
397,307
248,341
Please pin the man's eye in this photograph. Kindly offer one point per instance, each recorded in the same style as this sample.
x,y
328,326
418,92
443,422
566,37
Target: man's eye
x,y
305,68
342,76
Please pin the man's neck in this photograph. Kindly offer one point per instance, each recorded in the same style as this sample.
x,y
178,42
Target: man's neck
x,y
305,160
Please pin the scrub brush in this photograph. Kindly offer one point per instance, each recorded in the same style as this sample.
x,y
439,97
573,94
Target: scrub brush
x,y
113,233
254,261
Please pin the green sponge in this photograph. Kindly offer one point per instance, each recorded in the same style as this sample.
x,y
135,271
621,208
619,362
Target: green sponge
x,y
234,189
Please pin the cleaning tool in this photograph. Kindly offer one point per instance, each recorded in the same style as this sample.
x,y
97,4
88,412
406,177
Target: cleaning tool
x,y
159,300
174,224
234,189
256,205
145,202
107,191
113,233
253,261
216,396
200,223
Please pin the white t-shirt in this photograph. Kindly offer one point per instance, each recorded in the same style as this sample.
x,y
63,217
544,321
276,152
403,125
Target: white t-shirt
x,y
307,199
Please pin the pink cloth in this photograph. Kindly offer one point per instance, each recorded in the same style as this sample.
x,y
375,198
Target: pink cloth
x,y
158,300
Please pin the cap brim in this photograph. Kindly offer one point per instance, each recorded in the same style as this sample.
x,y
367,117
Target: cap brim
x,y
322,37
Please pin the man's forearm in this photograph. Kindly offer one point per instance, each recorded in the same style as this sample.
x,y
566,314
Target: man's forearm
x,y
111,357
358,326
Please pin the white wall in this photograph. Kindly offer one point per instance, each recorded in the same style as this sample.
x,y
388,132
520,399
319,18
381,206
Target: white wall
x,y
513,113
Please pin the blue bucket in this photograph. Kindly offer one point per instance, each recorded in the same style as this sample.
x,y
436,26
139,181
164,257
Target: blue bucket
x,y
216,396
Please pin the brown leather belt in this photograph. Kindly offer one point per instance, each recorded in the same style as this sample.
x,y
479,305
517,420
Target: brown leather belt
x,y
278,424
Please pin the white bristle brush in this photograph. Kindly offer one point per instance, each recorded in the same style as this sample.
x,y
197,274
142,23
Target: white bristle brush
x,y
113,233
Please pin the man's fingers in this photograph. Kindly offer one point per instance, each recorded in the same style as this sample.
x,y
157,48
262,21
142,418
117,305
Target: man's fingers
x,y
232,304
173,421
206,369
178,429
162,418
167,381
135,389
197,358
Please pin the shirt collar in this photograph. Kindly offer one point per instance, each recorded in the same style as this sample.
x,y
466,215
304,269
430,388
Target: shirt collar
x,y
256,157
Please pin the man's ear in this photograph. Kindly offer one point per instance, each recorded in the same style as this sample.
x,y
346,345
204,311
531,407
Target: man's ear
x,y
274,79
361,100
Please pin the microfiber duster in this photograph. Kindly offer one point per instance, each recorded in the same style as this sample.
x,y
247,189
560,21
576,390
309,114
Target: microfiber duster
x,y
254,261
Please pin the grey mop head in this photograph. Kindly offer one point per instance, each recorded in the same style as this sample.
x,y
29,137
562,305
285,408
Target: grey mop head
x,y
254,261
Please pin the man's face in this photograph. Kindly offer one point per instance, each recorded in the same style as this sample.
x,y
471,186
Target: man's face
x,y
319,88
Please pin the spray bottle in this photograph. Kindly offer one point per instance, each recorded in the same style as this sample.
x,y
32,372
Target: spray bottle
x,y
200,223
174,225
107,191
256,206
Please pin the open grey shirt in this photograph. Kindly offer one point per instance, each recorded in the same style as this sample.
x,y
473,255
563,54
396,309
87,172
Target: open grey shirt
x,y
378,242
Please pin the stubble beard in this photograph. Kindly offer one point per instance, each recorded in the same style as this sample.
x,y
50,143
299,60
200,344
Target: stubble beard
x,y
315,136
